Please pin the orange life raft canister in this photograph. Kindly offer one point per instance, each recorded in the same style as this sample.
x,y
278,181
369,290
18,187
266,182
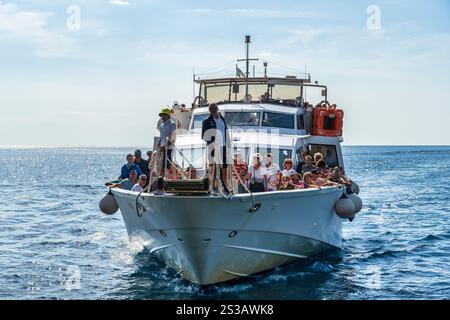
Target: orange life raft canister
x,y
327,120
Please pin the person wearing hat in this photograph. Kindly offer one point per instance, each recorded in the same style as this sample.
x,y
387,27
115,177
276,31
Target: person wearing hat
x,y
168,130
126,183
272,172
214,132
258,174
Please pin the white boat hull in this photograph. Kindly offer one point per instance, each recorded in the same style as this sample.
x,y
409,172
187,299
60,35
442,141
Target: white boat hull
x,y
210,239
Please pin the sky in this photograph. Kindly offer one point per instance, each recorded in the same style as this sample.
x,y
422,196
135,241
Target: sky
x,y
96,73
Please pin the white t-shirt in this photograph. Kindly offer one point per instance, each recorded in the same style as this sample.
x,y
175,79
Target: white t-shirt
x,y
220,125
258,174
288,173
137,188
272,170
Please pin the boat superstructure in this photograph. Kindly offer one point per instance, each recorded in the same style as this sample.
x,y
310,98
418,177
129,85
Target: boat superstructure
x,y
209,238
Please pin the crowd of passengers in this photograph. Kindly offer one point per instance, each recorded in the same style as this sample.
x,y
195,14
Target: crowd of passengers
x,y
134,173
265,175
261,175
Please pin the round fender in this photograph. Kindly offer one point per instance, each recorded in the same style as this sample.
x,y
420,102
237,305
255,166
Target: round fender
x,y
344,208
354,187
108,204
357,202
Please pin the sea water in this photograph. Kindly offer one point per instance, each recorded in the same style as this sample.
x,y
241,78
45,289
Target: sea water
x,y
56,244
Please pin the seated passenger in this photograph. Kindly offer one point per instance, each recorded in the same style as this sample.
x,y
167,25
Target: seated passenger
x,y
317,156
286,184
257,174
138,187
272,170
297,181
264,97
240,169
302,162
321,182
338,178
321,166
308,180
128,167
191,172
308,166
140,162
287,166
126,183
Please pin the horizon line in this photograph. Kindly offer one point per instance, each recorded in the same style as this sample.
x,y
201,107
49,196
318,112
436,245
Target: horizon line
x,y
140,146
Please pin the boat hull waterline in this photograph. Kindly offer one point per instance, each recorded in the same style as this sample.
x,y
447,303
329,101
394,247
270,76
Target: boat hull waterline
x,y
210,239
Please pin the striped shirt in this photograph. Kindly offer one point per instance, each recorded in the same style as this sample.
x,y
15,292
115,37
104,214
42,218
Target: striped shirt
x,y
241,169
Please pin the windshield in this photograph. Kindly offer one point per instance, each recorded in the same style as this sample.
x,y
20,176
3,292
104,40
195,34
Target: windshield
x,y
242,118
279,120
233,91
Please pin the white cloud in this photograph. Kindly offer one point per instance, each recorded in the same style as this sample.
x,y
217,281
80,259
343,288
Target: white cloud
x,y
199,11
263,13
29,27
257,13
119,2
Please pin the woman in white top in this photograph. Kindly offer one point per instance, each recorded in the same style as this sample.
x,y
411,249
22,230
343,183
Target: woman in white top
x,y
258,174
272,172
287,166
138,187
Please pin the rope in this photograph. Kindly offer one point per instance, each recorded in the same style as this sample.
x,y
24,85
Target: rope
x,y
245,187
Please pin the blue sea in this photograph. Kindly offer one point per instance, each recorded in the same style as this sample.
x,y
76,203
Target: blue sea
x,y
56,244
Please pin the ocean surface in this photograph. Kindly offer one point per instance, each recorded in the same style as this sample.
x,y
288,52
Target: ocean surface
x,y
56,244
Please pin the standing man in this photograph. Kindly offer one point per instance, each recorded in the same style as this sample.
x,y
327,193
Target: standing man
x,y
168,130
214,132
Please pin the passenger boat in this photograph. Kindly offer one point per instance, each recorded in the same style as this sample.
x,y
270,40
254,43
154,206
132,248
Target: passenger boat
x,y
214,237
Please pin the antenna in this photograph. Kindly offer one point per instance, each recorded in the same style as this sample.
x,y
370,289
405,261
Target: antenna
x,y
247,60
247,42
193,84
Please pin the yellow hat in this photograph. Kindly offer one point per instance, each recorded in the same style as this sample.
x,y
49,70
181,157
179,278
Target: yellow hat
x,y
165,111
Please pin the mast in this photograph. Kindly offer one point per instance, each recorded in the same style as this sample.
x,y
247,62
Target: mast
x,y
247,63
247,42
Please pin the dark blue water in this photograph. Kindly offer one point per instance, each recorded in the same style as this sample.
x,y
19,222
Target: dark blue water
x,y
55,244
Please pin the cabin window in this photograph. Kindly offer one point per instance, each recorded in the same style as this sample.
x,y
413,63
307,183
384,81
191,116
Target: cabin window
x,y
278,120
242,118
195,156
300,122
278,155
198,120
328,151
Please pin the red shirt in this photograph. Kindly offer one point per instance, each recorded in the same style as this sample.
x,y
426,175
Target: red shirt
x,y
241,169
